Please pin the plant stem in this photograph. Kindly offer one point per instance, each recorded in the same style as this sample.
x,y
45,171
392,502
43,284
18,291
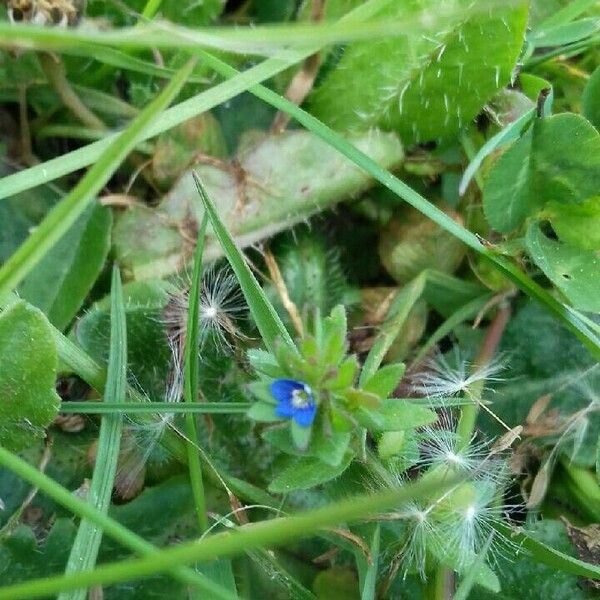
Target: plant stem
x,y
469,412
54,70
190,385
99,408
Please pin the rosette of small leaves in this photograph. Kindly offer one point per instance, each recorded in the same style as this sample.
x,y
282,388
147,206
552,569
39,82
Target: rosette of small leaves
x,y
312,391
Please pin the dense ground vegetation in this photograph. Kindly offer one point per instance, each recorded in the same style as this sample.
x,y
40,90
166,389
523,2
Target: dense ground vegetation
x,y
300,299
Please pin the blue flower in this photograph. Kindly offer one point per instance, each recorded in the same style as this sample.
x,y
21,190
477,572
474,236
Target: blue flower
x,y
295,400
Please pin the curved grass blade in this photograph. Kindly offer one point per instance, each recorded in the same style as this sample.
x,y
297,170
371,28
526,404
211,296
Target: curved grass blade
x,y
258,40
369,571
468,310
565,314
256,535
266,318
109,526
547,555
84,551
389,330
82,157
65,213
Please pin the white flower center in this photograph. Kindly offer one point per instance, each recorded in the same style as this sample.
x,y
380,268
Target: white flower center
x,y
301,397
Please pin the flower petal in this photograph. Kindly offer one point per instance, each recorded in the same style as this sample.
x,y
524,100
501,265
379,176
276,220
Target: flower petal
x,y
285,409
282,389
305,416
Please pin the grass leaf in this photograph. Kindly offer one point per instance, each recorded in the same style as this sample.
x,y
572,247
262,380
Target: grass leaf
x,y
109,526
66,212
84,551
267,320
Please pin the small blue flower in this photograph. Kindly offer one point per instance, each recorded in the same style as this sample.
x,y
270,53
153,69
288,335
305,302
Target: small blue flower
x,y
295,400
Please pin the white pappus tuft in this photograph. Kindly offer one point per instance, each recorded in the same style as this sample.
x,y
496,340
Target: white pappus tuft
x,y
442,378
221,304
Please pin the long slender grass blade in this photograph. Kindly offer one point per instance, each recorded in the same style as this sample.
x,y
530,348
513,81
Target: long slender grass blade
x,y
266,318
569,317
87,541
65,213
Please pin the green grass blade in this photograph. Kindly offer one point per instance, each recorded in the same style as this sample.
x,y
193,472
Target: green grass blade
x,y
78,159
467,311
266,318
389,330
567,13
266,534
467,583
109,526
369,583
566,315
84,551
258,40
66,212
130,408
547,555
190,389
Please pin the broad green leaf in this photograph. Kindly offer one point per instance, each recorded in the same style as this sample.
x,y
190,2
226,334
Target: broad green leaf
x,y
329,447
149,353
411,243
60,282
337,582
175,150
66,212
590,101
312,271
305,473
263,412
429,85
558,160
397,415
385,380
22,212
286,179
575,272
576,224
22,557
28,400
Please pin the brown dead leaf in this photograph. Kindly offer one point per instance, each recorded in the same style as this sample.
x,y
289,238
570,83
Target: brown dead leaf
x,y
538,407
69,423
587,543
